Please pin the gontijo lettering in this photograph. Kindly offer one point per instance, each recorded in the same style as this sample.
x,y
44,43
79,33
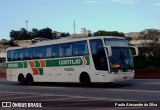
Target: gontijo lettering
x,y
70,62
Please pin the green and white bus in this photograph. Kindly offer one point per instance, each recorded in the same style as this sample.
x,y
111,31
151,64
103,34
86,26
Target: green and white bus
x,y
102,59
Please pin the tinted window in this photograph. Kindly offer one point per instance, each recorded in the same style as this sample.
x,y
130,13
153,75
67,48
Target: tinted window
x,y
52,51
38,52
28,54
48,51
121,56
65,50
9,55
115,42
80,48
18,54
98,54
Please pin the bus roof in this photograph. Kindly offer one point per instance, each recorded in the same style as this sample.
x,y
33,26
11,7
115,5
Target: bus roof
x,y
63,40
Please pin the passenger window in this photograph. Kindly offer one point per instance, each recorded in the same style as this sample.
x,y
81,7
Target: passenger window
x,y
48,52
38,52
12,56
65,50
9,55
28,54
55,51
18,54
80,48
51,51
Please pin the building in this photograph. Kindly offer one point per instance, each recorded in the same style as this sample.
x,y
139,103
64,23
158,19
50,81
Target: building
x,y
3,53
139,42
86,32
136,40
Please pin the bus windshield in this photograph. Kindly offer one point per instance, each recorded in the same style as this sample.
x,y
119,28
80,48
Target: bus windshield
x,y
121,58
121,53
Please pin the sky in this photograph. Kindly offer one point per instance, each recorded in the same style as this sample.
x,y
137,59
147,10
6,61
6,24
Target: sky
x,y
109,15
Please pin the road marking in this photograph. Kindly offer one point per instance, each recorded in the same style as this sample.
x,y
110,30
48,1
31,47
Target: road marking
x,y
132,90
52,87
11,94
19,97
46,87
151,83
2,85
95,98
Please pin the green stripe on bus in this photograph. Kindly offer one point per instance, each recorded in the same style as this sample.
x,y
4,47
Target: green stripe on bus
x,y
37,64
25,65
40,71
68,62
53,62
17,65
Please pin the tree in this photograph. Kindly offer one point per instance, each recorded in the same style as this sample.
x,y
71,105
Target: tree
x,y
63,34
22,34
15,35
108,33
152,40
45,33
34,33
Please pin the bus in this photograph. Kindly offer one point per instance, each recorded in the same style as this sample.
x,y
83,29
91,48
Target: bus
x,y
101,59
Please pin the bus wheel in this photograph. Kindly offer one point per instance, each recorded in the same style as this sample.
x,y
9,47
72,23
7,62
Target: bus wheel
x,y
85,79
21,79
29,79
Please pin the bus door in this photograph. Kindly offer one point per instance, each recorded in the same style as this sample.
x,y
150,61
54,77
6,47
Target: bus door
x,y
99,58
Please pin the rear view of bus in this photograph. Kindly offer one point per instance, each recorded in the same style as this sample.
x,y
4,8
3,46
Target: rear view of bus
x,y
113,55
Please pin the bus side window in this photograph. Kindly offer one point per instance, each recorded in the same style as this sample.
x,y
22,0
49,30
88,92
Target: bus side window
x,y
51,51
21,54
65,50
48,51
12,55
9,55
55,51
38,52
17,54
80,48
28,54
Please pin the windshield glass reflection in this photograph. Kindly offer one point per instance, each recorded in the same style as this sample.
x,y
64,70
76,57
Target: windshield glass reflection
x,y
121,58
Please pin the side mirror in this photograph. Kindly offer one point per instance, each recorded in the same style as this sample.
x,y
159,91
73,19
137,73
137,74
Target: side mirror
x,y
135,51
108,50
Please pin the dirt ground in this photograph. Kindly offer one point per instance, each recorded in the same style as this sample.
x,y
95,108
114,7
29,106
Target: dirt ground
x,y
139,74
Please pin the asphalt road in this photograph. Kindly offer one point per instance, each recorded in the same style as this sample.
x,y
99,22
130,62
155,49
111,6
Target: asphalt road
x,y
96,96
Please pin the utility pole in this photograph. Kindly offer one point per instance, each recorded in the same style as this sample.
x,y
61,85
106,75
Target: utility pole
x,y
74,26
27,26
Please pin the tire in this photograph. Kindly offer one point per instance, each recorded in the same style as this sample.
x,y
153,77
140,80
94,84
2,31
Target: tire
x,y
29,80
21,80
85,80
